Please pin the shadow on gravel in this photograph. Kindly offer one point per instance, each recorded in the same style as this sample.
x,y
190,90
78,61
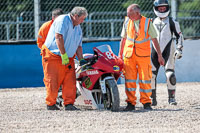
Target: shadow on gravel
x,y
196,106
137,110
167,109
141,110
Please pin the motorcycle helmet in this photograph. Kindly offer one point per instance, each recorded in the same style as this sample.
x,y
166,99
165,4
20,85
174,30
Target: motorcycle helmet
x,y
159,3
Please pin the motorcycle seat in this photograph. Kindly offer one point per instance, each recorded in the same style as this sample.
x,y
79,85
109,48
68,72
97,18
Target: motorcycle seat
x,y
88,56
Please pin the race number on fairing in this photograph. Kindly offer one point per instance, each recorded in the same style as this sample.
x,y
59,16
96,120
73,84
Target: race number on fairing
x,y
109,55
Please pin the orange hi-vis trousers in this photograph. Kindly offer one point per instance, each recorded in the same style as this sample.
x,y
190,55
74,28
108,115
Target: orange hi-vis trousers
x,y
55,75
134,66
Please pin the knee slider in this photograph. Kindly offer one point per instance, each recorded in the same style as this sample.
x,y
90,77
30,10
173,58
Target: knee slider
x,y
171,77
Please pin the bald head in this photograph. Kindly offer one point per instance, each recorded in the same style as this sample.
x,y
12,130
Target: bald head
x,y
133,12
134,8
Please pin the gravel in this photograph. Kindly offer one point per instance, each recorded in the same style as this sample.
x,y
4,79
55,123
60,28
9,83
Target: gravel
x,y
24,110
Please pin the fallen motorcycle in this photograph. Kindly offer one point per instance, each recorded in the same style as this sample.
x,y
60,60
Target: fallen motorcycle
x,y
96,80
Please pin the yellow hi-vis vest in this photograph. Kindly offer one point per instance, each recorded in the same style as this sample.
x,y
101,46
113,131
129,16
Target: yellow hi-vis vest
x,y
140,40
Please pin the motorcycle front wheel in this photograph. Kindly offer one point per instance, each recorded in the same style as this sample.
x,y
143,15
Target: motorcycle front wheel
x,y
112,100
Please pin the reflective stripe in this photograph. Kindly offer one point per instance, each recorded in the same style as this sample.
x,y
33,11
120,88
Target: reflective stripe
x,y
126,22
146,26
130,80
145,91
145,81
39,36
130,39
145,31
130,89
144,40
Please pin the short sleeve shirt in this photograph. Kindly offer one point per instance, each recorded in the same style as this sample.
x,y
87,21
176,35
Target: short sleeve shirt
x,y
72,35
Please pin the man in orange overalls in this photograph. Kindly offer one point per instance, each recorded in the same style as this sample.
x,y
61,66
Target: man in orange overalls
x,y
63,41
44,29
135,46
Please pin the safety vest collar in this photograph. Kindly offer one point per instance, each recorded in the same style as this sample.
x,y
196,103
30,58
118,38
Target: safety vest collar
x,y
145,39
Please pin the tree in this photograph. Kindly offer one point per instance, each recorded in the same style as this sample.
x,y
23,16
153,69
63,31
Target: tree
x,y
188,16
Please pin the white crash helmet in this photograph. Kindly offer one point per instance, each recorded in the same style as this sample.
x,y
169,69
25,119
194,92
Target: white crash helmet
x,y
158,3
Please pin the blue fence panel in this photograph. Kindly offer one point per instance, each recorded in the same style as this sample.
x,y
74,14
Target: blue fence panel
x,y
21,65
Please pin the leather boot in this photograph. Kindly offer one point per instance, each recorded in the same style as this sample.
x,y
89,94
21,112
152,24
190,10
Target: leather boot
x,y
153,97
172,100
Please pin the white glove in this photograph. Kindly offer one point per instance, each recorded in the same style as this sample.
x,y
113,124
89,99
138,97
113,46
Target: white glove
x,y
178,52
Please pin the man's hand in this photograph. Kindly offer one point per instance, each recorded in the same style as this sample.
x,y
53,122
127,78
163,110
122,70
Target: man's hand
x,y
161,60
121,49
65,59
82,62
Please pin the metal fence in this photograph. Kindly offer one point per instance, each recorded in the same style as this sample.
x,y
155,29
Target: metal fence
x,y
21,19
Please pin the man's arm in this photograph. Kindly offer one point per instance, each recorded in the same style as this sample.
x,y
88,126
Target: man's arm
x,y
157,47
42,34
121,49
79,52
60,43
40,38
153,34
123,39
179,41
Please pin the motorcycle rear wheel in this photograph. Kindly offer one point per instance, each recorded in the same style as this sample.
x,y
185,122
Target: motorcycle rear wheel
x,y
112,95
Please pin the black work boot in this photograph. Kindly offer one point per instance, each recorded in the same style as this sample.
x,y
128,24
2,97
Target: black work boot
x,y
153,97
53,107
129,107
172,100
147,106
70,107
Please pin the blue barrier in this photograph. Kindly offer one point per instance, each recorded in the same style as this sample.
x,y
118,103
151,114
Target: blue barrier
x,y
21,65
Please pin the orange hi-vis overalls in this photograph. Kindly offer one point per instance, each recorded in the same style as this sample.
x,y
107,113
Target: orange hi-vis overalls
x,y
137,53
43,32
56,74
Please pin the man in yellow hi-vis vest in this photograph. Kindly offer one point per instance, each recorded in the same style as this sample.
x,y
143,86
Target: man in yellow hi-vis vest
x,y
136,51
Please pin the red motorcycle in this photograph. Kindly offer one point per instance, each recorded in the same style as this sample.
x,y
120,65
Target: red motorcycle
x,y
96,80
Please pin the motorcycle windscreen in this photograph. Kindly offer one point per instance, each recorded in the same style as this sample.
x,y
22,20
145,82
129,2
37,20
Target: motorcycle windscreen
x,y
105,48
